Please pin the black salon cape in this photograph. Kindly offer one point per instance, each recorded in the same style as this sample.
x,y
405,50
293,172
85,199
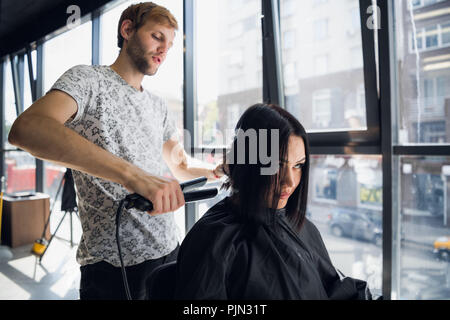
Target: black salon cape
x,y
222,258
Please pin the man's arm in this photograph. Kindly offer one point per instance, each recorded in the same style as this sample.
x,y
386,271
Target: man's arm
x,y
40,131
184,167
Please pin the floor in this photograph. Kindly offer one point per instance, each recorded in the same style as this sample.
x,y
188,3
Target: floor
x,y
55,278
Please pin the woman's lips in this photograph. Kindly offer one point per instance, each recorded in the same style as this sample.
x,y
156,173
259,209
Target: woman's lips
x,y
284,195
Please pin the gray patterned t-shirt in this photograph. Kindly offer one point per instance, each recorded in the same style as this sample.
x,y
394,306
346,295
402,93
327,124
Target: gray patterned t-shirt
x,y
133,125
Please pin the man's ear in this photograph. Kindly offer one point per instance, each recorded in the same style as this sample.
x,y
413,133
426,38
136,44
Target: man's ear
x,y
127,29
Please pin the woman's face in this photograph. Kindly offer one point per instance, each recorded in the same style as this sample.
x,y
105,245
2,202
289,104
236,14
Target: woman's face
x,y
292,169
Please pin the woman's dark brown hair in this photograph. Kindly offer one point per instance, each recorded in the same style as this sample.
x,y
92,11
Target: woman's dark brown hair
x,y
249,188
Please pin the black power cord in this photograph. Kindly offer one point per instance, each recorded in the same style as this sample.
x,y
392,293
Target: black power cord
x,y
122,204
137,201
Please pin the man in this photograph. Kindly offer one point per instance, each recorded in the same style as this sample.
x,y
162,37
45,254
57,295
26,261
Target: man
x,y
100,122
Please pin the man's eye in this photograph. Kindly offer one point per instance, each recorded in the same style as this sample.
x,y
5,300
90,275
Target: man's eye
x,y
155,37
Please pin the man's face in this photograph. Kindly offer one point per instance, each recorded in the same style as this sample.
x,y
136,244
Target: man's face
x,y
147,47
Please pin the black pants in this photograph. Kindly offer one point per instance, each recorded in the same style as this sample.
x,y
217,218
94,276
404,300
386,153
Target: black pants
x,y
103,281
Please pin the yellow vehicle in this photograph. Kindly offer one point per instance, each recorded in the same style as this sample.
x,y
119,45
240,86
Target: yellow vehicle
x,y
442,248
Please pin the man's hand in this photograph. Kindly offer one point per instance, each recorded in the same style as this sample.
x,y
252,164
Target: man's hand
x,y
164,193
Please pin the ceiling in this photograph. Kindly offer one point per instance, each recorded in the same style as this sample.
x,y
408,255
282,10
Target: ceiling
x,y
25,21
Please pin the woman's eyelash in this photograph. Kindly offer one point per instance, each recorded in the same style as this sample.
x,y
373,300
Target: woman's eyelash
x,y
300,165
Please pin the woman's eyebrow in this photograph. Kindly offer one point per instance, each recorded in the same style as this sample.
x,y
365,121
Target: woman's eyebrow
x,y
285,161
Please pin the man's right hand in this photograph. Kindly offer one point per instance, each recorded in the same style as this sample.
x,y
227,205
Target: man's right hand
x,y
164,193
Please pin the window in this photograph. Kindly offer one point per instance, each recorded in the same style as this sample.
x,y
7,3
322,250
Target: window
x,y
422,226
108,29
335,64
431,37
20,172
356,57
321,64
236,58
10,102
424,94
288,8
319,2
236,29
289,75
65,51
423,3
355,19
445,32
320,29
322,108
227,70
342,192
289,39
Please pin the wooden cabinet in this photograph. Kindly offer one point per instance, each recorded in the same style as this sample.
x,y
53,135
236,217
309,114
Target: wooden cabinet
x,y
24,219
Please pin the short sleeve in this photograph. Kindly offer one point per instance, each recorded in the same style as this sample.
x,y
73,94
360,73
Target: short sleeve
x,y
169,126
77,82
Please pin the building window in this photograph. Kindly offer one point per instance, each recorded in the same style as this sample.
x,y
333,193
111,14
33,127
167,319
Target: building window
x,y
334,63
355,18
235,30
320,29
431,37
289,39
290,75
236,58
321,64
356,57
445,33
288,8
322,108
422,3
319,2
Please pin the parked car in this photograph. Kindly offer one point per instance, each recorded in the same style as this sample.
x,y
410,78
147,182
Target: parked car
x,y
442,248
356,223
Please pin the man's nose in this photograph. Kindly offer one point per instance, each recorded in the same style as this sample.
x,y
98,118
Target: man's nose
x,y
163,48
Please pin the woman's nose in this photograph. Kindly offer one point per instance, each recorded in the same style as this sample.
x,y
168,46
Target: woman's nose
x,y
288,180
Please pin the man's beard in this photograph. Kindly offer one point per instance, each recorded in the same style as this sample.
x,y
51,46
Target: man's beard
x,y
138,56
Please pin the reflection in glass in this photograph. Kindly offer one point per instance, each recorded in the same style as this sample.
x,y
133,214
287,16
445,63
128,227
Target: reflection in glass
x,y
423,70
52,180
423,228
9,101
20,172
322,39
229,66
345,204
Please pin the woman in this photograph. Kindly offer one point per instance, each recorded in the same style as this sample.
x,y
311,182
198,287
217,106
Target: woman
x,y
257,243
